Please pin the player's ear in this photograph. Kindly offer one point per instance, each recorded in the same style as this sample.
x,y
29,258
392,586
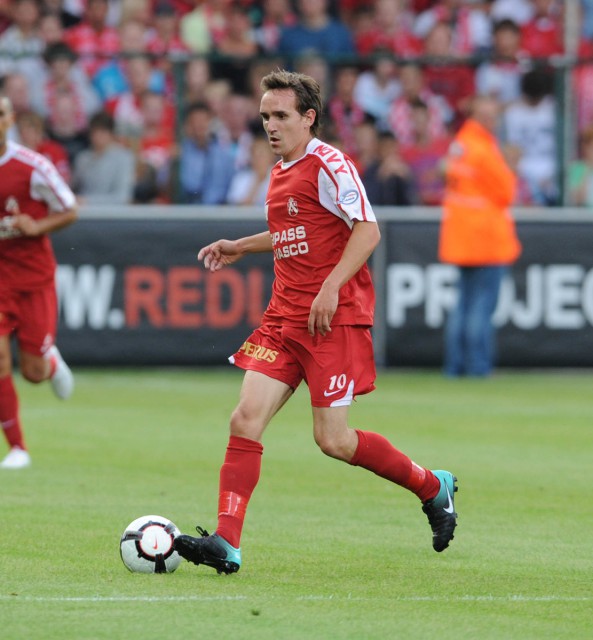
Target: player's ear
x,y
310,116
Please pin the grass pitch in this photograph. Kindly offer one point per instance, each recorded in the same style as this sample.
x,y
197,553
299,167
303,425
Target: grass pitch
x,y
329,551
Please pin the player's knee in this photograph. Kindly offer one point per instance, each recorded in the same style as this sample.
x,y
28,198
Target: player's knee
x,y
244,424
5,365
34,372
332,447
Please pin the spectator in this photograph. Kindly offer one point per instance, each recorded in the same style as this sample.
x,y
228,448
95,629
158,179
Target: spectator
x,y
238,39
348,10
155,150
93,40
236,119
105,173
21,44
425,154
62,79
249,185
343,110
580,173
141,11
235,129
390,31
469,21
31,130
16,88
236,48
111,80
51,30
276,15
196,77
217,93
125,108
414,87
164,42
478,236
531,124
164,36
377,88
316,32
64,128
500,76
204,27
206,165
385,175
542,36
519,11
58,9
447,74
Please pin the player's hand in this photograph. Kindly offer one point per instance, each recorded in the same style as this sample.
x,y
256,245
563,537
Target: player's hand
x,y
26,225
322,311
219,254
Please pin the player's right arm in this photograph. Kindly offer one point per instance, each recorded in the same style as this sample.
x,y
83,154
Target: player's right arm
x,y
221,253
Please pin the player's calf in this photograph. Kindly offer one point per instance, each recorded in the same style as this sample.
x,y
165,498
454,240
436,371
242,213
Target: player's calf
x,y
62,380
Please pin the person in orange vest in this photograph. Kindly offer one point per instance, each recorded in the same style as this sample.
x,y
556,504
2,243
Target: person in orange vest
x,y
477,235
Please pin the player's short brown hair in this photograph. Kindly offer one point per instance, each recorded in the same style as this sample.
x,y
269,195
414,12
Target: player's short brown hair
x,y
306,90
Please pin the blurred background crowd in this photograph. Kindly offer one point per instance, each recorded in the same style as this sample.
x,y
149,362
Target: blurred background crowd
x,y
156,101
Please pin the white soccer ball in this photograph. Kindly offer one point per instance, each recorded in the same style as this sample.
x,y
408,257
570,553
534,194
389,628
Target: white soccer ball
x,y
146,545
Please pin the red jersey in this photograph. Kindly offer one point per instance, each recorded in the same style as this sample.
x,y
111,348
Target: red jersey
x,y
311,207
30,180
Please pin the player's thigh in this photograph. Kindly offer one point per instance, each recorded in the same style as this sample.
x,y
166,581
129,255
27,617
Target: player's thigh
x,y
261,397
37,321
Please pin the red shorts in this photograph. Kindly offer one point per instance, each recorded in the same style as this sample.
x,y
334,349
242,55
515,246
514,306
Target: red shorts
x,y
31,316
336,367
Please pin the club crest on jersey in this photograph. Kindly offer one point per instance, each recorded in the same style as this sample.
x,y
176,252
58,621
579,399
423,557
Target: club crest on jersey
x,y
350,197
11,204
293,207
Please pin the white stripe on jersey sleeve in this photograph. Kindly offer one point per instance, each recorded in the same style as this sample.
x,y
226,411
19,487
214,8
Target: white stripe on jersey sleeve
x,y
340,188
49,186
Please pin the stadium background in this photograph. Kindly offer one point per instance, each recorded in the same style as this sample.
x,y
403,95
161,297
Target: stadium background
x,y
131,291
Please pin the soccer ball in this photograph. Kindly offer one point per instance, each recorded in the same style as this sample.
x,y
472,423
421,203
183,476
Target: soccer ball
x,y
146,545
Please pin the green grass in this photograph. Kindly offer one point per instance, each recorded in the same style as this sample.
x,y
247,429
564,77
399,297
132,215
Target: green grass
x,y
329,551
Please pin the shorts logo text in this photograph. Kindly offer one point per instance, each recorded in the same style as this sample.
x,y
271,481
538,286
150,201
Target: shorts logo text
x,y
258,352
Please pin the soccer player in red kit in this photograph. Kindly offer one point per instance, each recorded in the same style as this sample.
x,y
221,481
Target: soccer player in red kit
x,y
34,201
322,230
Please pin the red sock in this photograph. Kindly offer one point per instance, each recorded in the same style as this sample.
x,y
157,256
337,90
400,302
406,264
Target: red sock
x,y
9,413
239,475
377,454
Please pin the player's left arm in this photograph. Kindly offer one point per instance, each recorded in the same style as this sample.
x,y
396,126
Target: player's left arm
x,y
364,238
32,227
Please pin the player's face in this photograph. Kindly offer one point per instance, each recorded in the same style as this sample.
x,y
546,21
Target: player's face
x,y
6,120
288,131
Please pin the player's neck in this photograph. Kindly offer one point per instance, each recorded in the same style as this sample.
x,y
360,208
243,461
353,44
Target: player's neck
x,y
297,152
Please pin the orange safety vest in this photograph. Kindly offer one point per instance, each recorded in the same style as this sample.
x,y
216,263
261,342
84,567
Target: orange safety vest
x,y
477,227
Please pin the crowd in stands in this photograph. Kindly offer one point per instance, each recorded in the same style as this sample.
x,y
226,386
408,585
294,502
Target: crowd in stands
x,y
156,101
